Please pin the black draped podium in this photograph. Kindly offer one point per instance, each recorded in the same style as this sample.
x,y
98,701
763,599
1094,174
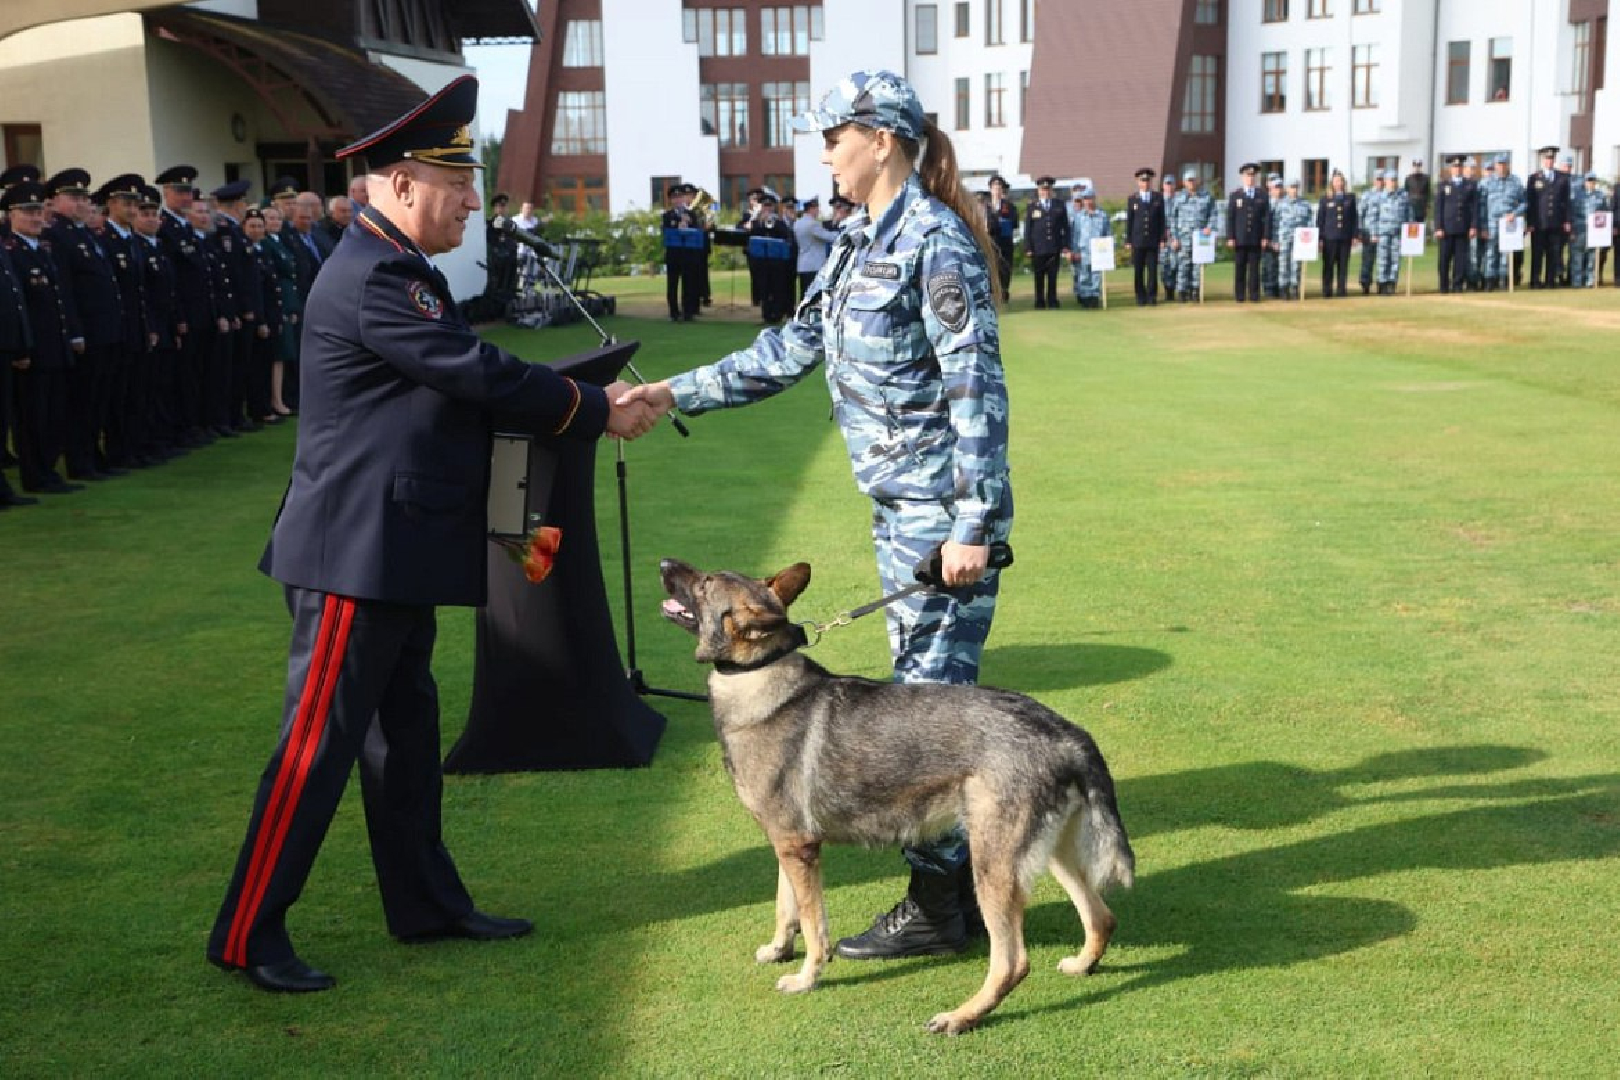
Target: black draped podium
x,y
549,687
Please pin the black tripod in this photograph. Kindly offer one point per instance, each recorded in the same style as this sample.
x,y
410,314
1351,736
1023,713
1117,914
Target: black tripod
x,y
638,682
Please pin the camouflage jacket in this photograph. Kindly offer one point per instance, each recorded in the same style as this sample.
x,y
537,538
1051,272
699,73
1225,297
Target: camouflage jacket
x,y
1498,197
904,317
1370,208
1290,213
1393,212
1190,212
1086,226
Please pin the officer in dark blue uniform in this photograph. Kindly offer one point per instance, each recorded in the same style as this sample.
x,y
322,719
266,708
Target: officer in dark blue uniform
x,y
195,318
160,290
1003,225
683,255
41,383
383,520
1338,219
1547,221
128,438
16,344
1144,235
1456,223
230,206
1046,240
1248,230
87,275
266,307
13,175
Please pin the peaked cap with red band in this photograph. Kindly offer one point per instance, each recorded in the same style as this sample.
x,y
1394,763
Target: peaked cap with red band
x,y
438,131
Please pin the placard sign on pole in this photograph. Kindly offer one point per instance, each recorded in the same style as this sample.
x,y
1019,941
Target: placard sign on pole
x,y
1600,229
1203,254
1412,240
1510,238
1102,261
1307,249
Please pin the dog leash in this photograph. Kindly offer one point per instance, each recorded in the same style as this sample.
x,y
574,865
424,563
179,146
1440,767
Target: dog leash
x,y
930,578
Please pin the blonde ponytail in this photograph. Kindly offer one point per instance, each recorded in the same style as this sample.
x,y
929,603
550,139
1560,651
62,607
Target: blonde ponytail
x,y
939,177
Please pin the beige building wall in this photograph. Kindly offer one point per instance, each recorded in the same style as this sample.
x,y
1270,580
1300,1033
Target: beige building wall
x,y
85,83
193,102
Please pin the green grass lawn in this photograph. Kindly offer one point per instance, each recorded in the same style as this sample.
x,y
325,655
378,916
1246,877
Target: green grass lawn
x,y
1334,586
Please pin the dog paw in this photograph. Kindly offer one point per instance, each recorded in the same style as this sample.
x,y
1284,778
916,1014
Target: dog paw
x,y
1078,965
772,953
948,1023
796,984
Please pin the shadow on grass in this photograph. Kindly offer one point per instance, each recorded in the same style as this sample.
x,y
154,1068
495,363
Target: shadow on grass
x,y
1032,669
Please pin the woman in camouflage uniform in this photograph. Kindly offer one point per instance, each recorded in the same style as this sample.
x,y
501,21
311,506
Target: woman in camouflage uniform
x,y
903,315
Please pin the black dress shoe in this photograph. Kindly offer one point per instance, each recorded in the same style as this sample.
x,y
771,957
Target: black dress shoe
x,y
13,499
58,487
474,926
289,976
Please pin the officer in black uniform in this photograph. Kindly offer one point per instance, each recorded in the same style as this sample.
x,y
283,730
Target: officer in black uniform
x,y
87,275
1003,224
1456,223
160,289
683,255
128,439
219,364
1547,221
1046,240
265,303
1338,218
230,206
15,174
1248,225
41,383
16,345
382,521
776,272
1144,235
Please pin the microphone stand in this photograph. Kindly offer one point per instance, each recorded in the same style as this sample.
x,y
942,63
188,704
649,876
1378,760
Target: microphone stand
x,y
638,682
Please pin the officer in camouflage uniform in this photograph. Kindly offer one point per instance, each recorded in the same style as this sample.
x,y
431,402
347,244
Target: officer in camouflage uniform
x,y
1393,213
1587,199
903,316
1484,243
1169,260
1371,209
1501,194
1086,223
1195,212
1291,213
1270,266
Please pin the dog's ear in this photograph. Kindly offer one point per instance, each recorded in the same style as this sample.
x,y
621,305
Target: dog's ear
x,y
788,584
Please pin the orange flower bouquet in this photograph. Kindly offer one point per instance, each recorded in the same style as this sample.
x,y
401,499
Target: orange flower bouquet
x,y
536,552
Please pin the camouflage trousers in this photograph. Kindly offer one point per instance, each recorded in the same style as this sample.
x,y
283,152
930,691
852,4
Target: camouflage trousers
x,y
1270,272
1389,258
1582,264
1495,266
1287,268
933,637
1370,249
1187,270
1088,283
1170,261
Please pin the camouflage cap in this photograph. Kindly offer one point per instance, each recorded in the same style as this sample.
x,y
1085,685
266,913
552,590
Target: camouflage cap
x,y
874,99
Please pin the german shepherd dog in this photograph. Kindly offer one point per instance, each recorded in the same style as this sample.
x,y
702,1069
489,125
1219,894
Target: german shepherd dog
x,y
820,757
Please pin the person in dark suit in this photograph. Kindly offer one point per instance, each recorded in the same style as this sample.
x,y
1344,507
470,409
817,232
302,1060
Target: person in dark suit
x,y
384,519
194,303
1002,221
87,275
160,288
1547,221
1418,191
128,438
231,247
41,381
1248,230
1144,234
16,345
1337,220
682,270
1046,240
10,176
1456,224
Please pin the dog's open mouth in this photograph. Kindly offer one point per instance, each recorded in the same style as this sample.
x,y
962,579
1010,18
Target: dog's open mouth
x,y
677,613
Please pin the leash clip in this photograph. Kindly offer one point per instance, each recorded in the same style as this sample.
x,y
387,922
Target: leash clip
x,y
811,627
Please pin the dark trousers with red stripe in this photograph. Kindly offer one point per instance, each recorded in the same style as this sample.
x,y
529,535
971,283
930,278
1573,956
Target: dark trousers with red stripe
x,y
358,688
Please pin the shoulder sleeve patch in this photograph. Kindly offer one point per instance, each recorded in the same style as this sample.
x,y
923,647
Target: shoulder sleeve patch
x,y
425,300
947,295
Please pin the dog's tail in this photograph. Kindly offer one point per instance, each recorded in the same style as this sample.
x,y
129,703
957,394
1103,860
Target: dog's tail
x,y
1104,849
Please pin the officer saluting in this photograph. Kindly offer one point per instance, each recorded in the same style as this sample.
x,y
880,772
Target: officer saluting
x,y
383,520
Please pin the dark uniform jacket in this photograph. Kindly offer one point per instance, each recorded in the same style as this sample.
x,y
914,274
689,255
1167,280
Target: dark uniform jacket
x,y
160,288
1046,227
87,275
1417,195
391,477
1002,222
242,271
50,308
1337,216
1144,221
1456,207
1248,217
1547,201
16,337
308,263
126,267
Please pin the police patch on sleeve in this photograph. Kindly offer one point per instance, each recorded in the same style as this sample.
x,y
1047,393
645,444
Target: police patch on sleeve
x,y
947,295
425,299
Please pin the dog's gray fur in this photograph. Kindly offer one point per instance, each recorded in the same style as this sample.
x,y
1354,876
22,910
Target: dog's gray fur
x,y
820,757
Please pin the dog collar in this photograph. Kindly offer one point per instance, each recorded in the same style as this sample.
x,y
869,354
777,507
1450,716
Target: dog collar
x,y
794,643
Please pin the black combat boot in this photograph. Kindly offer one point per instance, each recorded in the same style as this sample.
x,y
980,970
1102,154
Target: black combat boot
x,y
928,922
